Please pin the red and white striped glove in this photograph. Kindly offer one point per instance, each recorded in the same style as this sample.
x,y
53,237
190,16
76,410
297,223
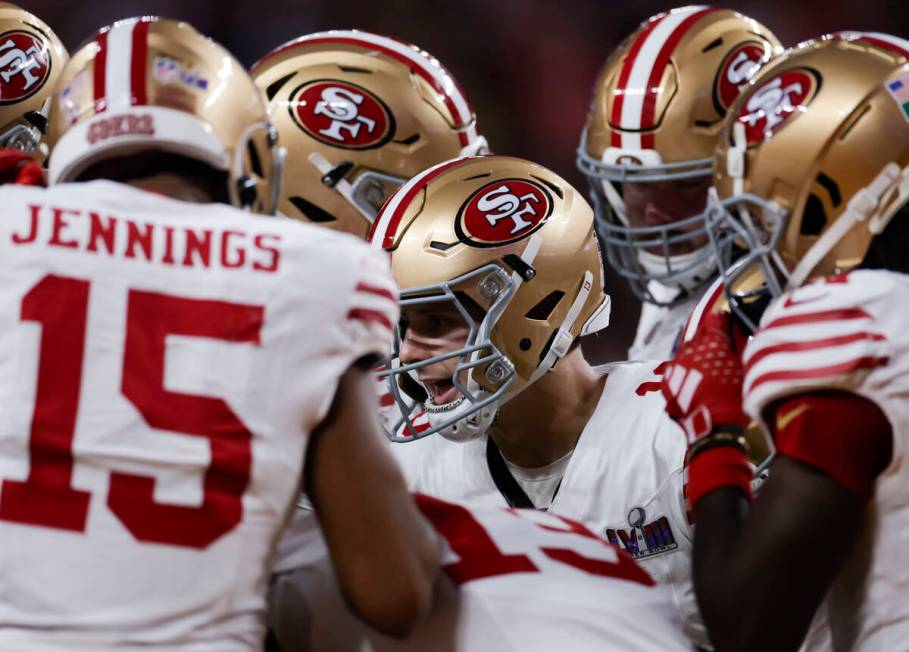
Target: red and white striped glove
x,y
703,391
703,384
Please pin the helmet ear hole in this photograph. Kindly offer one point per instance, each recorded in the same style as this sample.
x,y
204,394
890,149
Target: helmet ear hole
x,y
312,212
814,217
545,307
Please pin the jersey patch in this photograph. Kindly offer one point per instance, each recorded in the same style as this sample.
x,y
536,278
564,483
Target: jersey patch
x,y
643,539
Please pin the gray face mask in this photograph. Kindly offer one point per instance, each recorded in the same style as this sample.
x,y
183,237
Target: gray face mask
x,y
642,254
473,411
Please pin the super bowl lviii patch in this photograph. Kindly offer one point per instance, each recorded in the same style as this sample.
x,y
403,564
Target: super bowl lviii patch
x,y
899,90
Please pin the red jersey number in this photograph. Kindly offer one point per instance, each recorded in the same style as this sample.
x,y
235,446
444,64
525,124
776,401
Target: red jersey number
x,y
480,557
47,498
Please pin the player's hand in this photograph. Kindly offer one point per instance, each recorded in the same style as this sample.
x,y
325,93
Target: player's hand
x,y
703,384
19,168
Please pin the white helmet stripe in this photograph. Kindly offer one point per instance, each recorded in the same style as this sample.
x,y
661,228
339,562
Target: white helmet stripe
x,y
385,227
121,64
118,89
642,68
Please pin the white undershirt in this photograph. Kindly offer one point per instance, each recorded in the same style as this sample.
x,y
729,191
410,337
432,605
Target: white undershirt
x,y
540,484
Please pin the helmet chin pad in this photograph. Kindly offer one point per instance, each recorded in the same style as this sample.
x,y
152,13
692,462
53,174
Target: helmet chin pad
x,y
465,421
688,271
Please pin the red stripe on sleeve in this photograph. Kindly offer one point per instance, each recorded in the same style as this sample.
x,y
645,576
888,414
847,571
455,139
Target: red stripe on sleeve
x,y
370,317
814,317
139,64
99,73
810,345
866,362
372,289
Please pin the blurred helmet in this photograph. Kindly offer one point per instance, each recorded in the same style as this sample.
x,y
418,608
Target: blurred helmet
x,y
359,115
31,62
814,163
658,105
507,238
157,84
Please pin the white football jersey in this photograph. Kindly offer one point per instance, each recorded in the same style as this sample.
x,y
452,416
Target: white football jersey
x,y
850,333
659,326
624,480
161,366
514,581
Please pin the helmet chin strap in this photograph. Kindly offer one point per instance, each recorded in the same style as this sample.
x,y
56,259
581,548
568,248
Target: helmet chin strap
x,y
563,337
478,147
862,205
236,172
342,186
475,423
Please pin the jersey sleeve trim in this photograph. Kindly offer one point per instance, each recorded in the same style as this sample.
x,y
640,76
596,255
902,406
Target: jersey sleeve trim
x,y
797,351
844,435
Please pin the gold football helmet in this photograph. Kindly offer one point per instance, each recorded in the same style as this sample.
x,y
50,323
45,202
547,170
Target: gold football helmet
x,y
359,114
813,164
31,62
658,105
506,238
157,84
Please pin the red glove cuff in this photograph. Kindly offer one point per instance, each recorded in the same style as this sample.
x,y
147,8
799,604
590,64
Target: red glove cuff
x,y
718,468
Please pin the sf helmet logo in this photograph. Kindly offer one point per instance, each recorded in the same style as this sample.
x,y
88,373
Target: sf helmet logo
x,y
341,114
739,67
502,212
24,65
775,102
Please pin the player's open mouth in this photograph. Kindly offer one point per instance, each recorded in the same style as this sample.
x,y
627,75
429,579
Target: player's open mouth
x,y
441,391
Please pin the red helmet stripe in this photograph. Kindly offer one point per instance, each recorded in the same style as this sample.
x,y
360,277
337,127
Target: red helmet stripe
x,y
659,66
462,115
884,41
139,63
385,226
99,72
625,74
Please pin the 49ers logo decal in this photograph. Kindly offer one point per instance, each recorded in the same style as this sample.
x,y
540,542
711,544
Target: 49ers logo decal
x,y
25,65
776,101
341,114
739,67
502,212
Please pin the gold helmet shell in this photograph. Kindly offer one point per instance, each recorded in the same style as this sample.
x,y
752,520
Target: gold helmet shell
x,y
513,239
813,164
157,84
359,114
31,62
657,109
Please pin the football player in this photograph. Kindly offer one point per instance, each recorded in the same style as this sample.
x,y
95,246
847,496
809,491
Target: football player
x,y
359,114
811,180
516,580
501,273
159,400
658,105
31,61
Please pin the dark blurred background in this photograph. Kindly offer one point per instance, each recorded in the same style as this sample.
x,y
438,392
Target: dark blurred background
x,y
526,65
